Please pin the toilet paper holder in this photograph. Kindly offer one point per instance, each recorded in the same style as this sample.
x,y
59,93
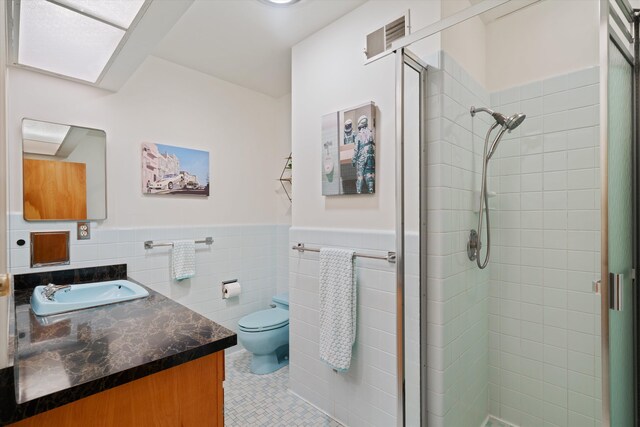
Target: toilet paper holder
x,y
222,286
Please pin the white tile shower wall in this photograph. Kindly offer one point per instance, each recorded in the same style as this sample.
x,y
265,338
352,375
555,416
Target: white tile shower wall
x,y
458,291
544,318
366,394
250,253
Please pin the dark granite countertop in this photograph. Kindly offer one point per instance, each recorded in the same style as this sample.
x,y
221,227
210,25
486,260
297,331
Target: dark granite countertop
x,y
63,358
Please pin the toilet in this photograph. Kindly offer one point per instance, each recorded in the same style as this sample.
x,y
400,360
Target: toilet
x,y
265,333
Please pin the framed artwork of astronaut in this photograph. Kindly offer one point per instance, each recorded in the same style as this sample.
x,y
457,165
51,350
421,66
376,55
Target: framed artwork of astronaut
x,y
349,151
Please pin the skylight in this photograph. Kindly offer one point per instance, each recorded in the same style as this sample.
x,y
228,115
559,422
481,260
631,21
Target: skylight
x,y
74,38
117,12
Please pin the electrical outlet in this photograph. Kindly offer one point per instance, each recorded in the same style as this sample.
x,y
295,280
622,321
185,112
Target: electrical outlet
x,y
84,231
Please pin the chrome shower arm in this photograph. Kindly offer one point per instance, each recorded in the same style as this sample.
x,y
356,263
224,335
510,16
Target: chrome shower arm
x,y
475,110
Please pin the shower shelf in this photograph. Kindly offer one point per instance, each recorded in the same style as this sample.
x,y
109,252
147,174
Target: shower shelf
x,y
285,176
476,197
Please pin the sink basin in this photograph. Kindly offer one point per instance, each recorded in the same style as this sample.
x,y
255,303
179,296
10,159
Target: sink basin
x,y
87,295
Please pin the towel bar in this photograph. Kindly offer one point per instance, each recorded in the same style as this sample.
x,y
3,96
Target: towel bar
x,y
150,244
390,257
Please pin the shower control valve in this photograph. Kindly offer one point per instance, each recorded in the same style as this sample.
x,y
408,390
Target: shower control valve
x,y
473,245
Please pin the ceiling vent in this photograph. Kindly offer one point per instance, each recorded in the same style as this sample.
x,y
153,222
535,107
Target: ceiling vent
x,y
380,40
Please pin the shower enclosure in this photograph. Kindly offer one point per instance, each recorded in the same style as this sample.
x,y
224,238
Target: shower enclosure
x,y
543,332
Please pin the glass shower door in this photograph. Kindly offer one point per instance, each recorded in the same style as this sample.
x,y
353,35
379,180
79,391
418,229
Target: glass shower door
x,y
620,238
412,248
411,75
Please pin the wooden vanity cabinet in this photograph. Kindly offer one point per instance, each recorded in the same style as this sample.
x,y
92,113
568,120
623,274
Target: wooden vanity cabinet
x,y
190,395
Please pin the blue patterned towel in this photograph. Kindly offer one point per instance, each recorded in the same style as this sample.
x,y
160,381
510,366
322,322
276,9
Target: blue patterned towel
x,y
337,307
184,259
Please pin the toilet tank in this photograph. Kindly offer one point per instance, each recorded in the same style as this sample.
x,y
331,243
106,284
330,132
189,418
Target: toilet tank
x,y
281,300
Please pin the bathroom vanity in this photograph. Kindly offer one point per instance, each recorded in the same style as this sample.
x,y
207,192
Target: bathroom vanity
x,y
145,362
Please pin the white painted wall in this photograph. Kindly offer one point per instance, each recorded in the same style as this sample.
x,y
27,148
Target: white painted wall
x,y
526,45
466,42
329,75
549,38
169,104
282,149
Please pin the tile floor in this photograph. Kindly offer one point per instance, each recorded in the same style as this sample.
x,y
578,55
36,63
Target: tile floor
x,y
264,400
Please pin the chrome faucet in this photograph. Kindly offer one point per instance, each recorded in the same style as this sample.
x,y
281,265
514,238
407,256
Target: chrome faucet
x,y
50,290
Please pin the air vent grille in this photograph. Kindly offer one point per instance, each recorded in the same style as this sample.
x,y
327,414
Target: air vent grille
x,y
394,31
381,39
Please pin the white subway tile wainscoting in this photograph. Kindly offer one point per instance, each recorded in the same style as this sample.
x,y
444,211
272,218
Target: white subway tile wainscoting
x,y
366,394
256,255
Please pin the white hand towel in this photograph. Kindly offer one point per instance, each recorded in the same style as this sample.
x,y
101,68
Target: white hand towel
x,y
184,259
337,307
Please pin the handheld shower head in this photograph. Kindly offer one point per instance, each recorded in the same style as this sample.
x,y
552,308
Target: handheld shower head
x,y
508,124
514,121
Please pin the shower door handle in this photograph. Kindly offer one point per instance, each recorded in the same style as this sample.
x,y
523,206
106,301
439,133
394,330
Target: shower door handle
x,y
615,291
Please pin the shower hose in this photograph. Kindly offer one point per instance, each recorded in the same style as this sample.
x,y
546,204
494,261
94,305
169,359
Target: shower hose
x,y
484,204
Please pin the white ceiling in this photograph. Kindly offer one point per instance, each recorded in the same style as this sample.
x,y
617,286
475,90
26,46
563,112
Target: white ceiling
x,y
503,10
245,41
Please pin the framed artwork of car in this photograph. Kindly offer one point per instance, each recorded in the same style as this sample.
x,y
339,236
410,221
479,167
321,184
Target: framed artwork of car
x,y
167,169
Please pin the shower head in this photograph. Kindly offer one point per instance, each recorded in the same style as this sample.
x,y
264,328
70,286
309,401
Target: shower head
x,y
515,121
508,124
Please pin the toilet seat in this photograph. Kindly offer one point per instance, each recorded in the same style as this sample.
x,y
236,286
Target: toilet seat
x,y
264,320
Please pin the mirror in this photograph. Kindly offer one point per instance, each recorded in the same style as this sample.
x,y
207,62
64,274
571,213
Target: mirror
x,y
63,172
